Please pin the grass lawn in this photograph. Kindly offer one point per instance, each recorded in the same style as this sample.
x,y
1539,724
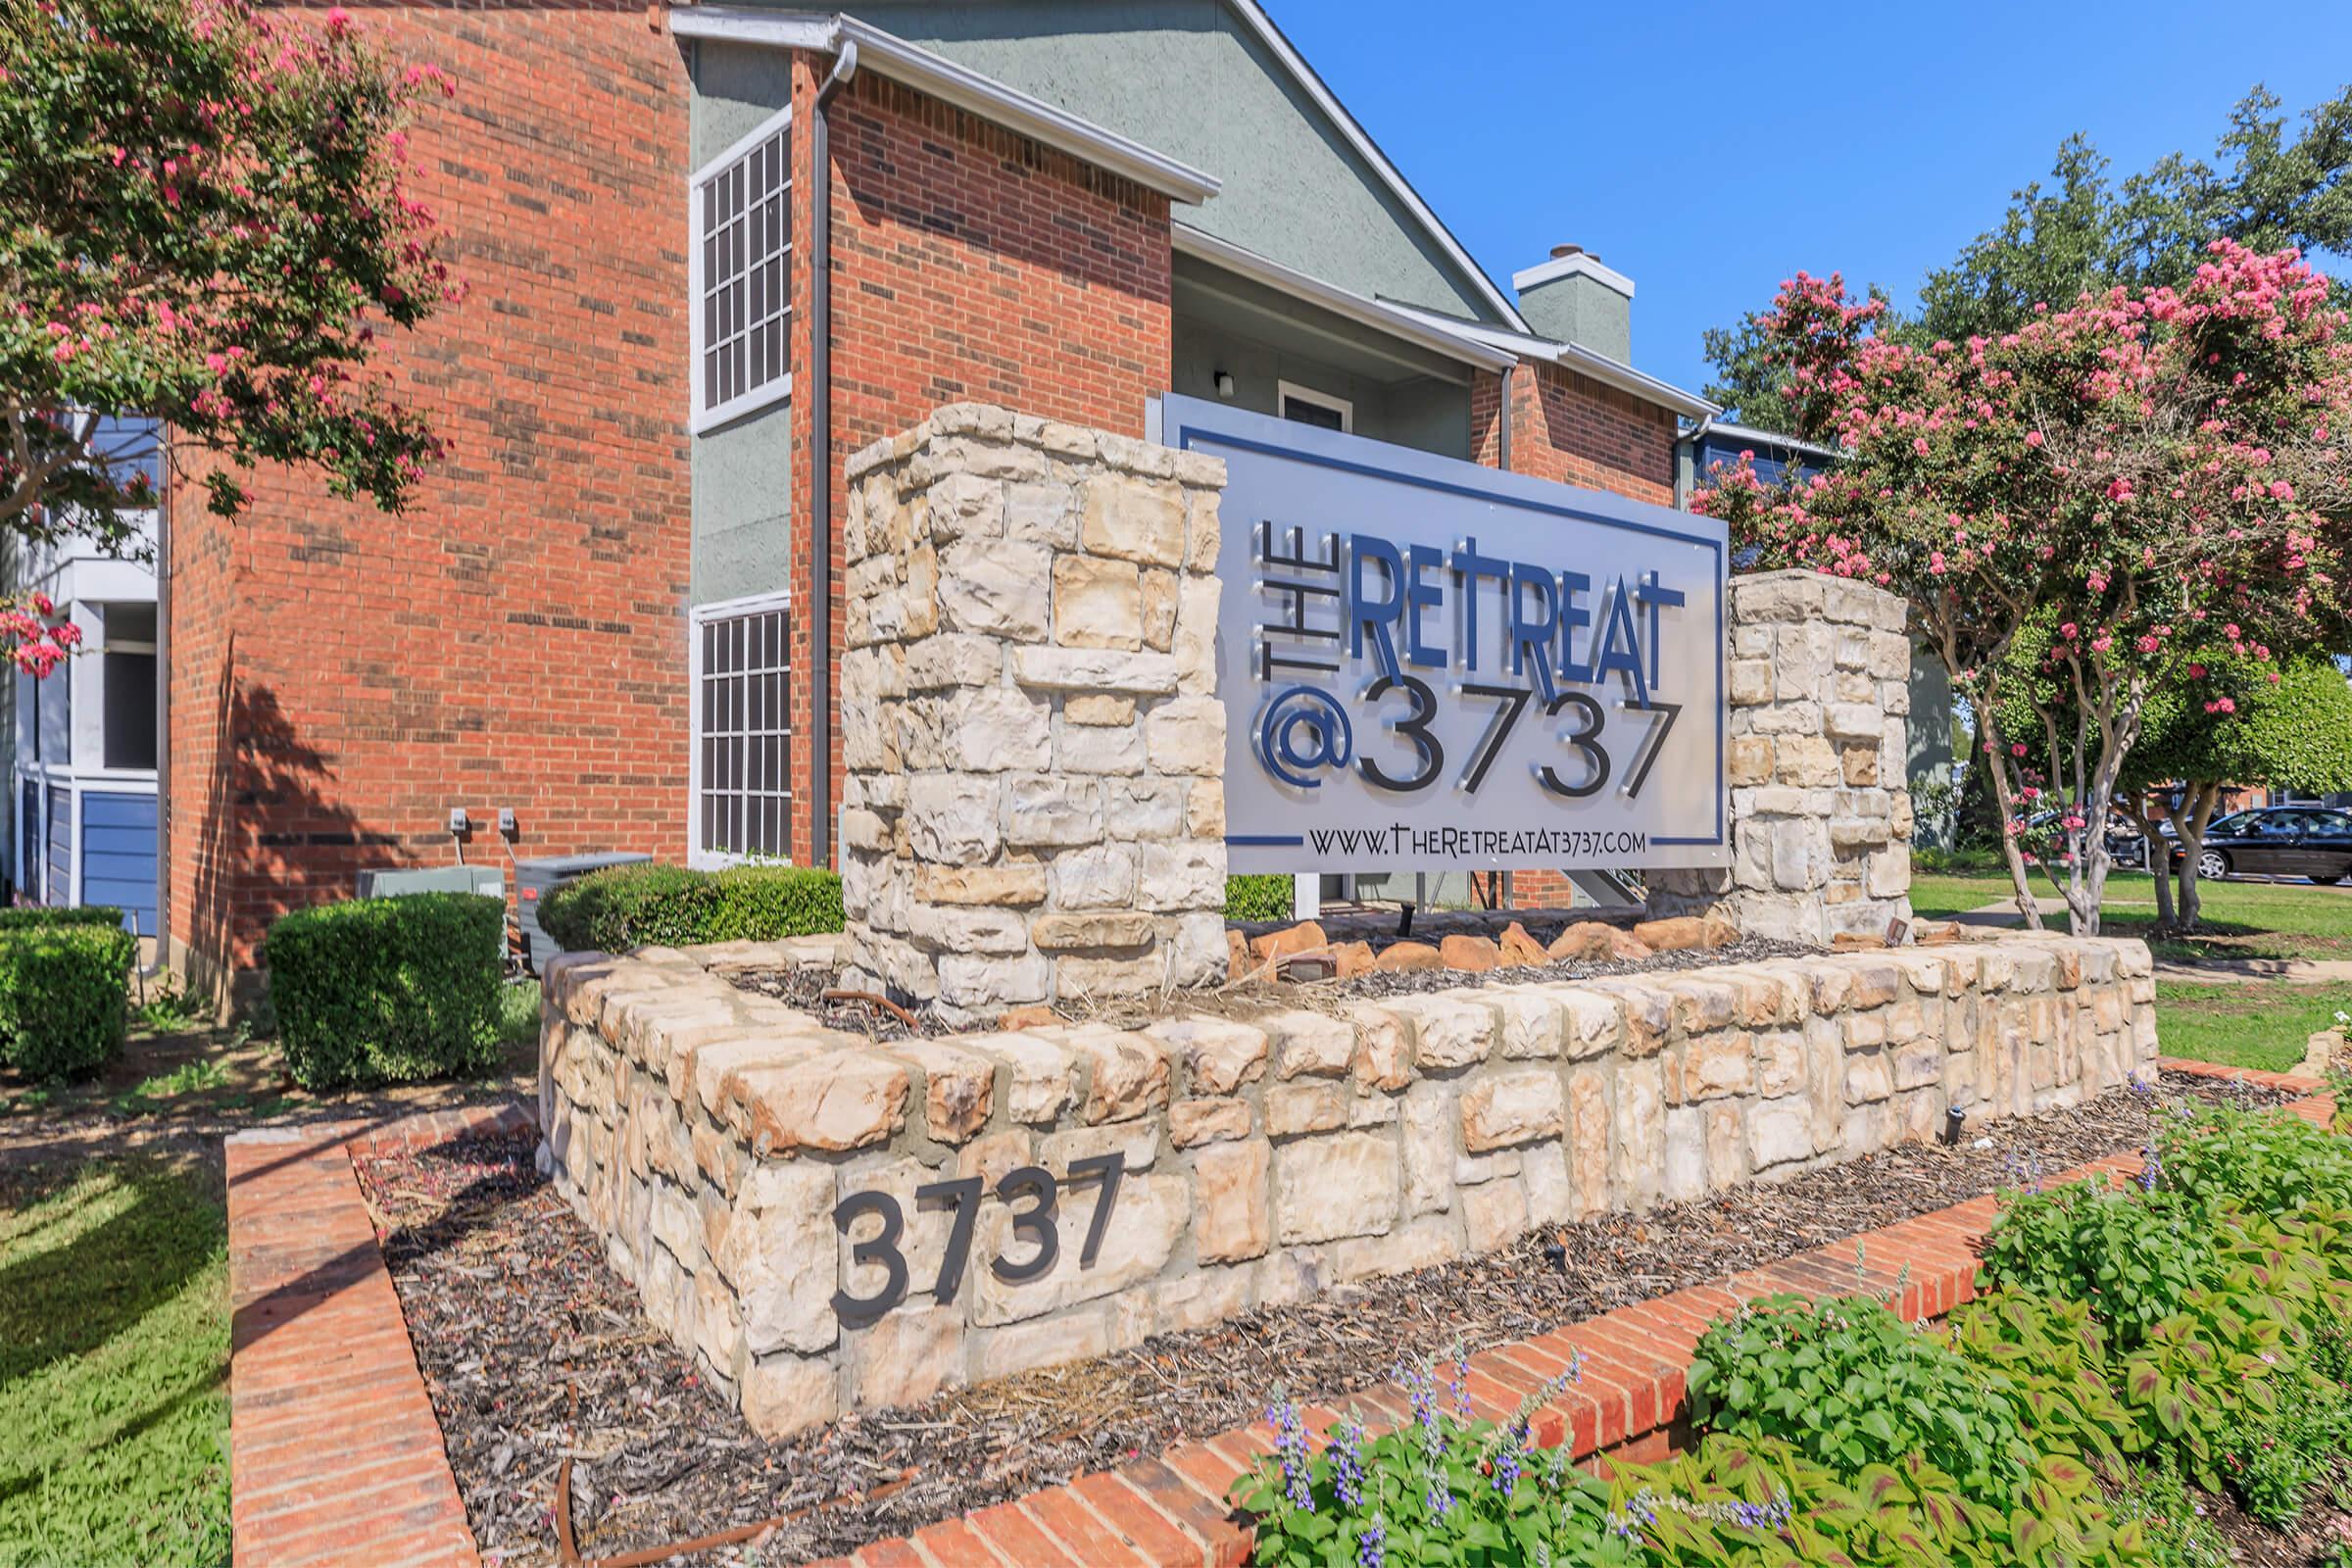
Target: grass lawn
x,y
2244,919
113,1367
2254,1024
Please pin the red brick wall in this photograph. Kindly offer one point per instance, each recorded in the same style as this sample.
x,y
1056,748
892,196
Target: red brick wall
x,y
1574,430
341,678
968,265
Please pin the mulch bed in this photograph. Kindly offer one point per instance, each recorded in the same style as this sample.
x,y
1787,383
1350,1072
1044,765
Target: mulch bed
x,y
807,988
512,1310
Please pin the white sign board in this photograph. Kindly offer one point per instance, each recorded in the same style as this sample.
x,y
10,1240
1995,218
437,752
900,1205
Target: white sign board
x,y
1426,665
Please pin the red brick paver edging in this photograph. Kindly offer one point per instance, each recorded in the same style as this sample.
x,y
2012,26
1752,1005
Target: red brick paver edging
x,y
336,1455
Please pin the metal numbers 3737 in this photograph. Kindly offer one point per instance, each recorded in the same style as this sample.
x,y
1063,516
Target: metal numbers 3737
x,y
1031,1193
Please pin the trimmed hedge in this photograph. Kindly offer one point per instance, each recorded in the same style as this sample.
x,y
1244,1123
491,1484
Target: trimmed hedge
x,y
64,989
376,991
1259,897
645,906
27,916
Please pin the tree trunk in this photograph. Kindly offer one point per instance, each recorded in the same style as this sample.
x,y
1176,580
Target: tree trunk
x,y
1988,741
2160,870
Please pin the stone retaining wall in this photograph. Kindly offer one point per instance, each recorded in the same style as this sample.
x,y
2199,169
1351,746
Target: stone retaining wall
x,y
708,1135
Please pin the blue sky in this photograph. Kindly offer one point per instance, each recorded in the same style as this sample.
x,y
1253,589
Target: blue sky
x,y
1709,152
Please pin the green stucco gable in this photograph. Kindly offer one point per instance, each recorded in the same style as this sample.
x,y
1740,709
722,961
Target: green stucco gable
x,y
1191,80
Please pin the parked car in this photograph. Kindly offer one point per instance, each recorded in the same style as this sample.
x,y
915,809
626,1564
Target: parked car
x,y
2127,844
2312,841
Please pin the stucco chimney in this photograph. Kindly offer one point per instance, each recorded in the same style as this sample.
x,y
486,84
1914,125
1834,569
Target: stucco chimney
x,y
1573,297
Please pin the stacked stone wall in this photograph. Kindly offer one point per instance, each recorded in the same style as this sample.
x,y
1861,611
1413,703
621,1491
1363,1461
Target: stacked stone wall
x,y
1819,744
1035,753
710,1137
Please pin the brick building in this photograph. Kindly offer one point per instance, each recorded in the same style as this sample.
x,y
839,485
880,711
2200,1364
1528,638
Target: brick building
x,y
609,611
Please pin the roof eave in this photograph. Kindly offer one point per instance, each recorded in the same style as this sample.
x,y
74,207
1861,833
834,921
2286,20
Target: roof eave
x,y
943,79
1412,327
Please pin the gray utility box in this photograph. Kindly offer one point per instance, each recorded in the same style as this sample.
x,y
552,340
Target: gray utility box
x,y
394,883
535,879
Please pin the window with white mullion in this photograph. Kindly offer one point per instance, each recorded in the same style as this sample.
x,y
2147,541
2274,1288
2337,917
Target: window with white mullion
x,y
744,735
742,207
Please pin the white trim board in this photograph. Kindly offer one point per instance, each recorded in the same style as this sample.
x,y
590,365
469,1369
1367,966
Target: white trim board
x,y
1293,392
1577,265
943,79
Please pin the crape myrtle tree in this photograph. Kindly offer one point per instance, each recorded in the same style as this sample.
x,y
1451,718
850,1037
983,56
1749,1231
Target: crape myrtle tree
x,y
2148,475
2285,725
203,220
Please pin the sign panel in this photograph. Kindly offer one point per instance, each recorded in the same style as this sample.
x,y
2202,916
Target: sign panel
x,y
1426,665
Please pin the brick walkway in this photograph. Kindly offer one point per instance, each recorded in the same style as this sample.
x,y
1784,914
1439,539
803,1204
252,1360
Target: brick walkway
x,y
336,1456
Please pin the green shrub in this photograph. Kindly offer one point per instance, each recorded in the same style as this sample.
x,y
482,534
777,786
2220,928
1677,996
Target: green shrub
x,y
1850,1384
644,905
64,990
2270,1161
2132,1256
378,990
27,916
1259,897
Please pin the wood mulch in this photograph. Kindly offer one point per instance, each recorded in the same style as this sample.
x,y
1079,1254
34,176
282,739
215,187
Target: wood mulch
x,y
807,988
513,1311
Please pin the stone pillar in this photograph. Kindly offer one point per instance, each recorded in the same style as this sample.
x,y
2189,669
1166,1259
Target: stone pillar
x,y
1035,803
1821,803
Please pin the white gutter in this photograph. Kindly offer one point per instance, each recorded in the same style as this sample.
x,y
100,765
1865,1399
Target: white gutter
x,y
1419,329
889,55
1570,356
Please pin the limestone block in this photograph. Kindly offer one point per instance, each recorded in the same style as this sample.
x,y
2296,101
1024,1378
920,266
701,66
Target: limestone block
x,y
1685,1174
991,587
1097,877
1641,1130
1130,1074
1131,521
1219,1055
1305,1108
1014,883
1417,1244
1095,671
1159,609
1495,1213
1207,1121
787,1394
975,981
963,506
1063,933
840,1100
1528,1021
1083,749
1044,810
1589,1138
1194,647
1039,513
953,821
948,660
909,1355
1341,1185
1429,1121
1449,1028
1717,1064
959,1087
1311,1045
1205,808
1186,874
1023,1347
1145,808
996,729
1187,735
1092,708
1592,1023
1781,1131
1097,604
1511,1108
1231,1211
966,928
781,1254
